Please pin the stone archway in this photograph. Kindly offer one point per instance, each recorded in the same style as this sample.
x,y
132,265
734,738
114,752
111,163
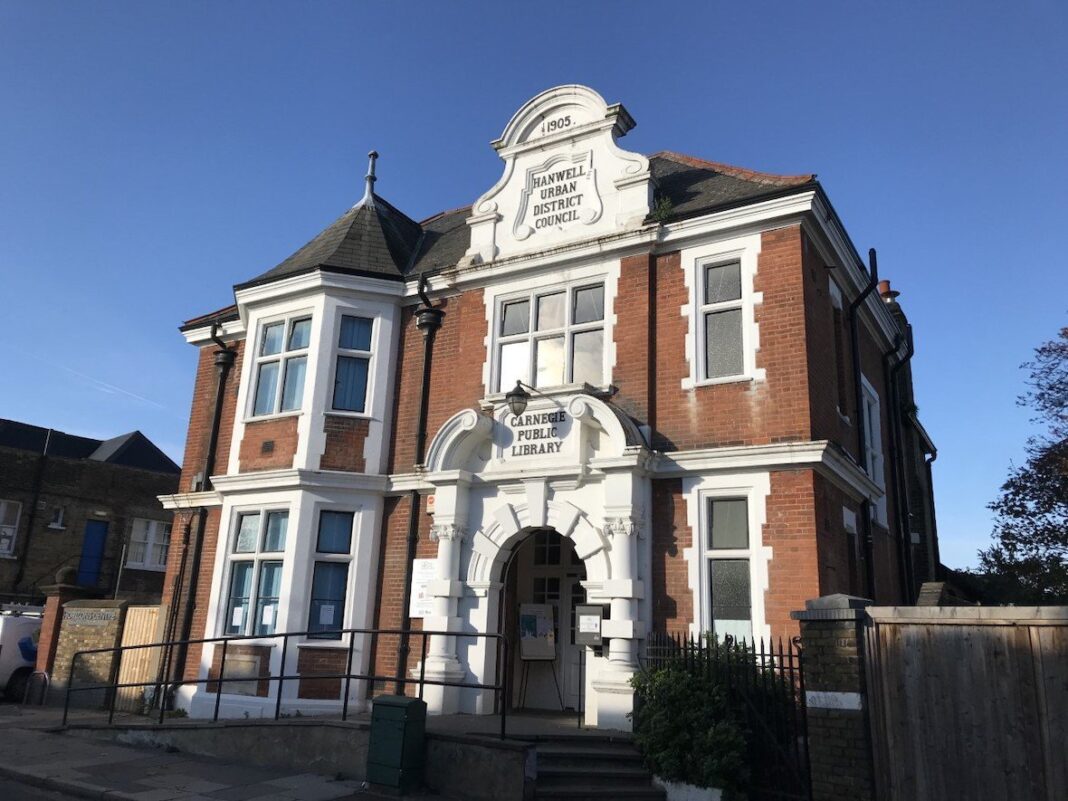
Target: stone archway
x,y
593,490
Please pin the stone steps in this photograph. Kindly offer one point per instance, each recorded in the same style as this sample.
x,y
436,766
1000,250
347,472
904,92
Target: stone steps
x,y
592,768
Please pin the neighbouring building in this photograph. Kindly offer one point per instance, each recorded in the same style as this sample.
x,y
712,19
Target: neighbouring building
x,y
718,425
87,505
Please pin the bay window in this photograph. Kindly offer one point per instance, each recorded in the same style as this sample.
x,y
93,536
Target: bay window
x,y
353,364
552,337
256,573
281,363
330,575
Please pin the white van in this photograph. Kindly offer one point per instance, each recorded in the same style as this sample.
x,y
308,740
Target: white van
x,y
20,629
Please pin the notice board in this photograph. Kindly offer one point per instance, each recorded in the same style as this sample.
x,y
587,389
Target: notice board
x,y
537,637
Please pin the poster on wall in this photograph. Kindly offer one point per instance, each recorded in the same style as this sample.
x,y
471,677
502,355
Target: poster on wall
x,y
537,638
422,603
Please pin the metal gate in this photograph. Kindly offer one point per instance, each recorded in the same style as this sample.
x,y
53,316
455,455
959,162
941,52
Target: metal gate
x,y
765,686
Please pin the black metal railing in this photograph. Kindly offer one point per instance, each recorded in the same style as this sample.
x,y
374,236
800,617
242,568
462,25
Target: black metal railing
x,y
162,686
765,689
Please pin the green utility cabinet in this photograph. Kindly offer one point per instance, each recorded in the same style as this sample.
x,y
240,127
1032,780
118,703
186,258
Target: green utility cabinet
x,y
395,750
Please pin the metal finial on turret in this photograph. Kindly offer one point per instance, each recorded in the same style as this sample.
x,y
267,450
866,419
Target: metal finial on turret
x,y
369,189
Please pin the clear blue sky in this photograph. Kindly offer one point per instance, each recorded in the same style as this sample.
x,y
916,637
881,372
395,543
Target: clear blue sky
x,y
154,154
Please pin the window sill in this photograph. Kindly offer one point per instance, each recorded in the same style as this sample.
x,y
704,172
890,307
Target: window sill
x,y
351,415
54,527
730,379
8,556
600,391
146,568
339,644
278,416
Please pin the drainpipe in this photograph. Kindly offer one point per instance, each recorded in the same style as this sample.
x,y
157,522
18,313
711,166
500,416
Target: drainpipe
x,y
902,507
858,398
934,564
31,518
428,320
224,360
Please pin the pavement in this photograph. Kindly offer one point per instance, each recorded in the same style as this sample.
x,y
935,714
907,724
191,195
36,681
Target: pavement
x,y
36,753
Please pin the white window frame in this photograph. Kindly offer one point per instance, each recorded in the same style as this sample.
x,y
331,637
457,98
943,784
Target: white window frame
x,y
337,352
874,463
336,558
754,488
283,357
257,557
745,251
836,303
9,533
59,514
567,331
156,532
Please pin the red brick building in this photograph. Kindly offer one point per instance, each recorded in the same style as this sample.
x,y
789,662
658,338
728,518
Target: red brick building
x,y
718,425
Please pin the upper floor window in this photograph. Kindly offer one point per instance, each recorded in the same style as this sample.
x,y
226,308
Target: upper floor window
x,y
871,419
721,320
149,542
353,364
9,526
552,337
281,363
838,334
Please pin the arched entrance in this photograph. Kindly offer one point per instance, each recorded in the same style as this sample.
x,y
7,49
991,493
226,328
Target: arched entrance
x,y
544,573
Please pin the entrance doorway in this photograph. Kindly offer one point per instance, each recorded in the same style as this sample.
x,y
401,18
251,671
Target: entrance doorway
x,y
545,571
92,559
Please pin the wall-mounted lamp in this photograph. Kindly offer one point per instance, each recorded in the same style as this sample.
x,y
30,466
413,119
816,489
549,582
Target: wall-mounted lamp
x,y
517,399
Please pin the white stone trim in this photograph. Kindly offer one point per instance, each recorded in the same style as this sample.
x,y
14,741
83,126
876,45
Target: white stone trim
x,y
755,488
826,699
746,251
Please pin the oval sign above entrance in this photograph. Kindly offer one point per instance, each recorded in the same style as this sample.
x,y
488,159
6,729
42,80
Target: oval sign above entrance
x,y
545,432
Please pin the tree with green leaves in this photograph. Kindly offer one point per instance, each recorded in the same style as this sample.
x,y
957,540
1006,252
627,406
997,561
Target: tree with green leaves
x,y
1028,560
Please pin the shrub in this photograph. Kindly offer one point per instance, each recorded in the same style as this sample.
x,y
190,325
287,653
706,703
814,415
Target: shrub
x,y
686,731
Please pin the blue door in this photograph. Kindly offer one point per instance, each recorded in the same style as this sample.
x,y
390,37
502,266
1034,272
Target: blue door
x,y
96,534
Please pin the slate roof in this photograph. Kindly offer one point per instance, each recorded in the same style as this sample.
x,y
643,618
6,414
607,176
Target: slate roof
x,y
377,240
130,450
372,239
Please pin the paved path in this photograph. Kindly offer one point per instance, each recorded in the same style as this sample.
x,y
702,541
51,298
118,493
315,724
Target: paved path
x,y
87,768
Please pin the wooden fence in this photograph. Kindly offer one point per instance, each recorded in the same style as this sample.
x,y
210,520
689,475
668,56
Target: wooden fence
x,y
142,626
969,702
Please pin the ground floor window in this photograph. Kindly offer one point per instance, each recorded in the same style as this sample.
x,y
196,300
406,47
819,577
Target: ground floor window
x,y
256,573
330,574
728,567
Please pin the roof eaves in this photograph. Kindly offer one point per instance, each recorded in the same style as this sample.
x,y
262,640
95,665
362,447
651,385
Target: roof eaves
x,y
744,174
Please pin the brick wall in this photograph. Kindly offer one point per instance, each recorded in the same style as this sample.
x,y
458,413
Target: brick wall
x,y
85,490
345,437
389,611
671,593
318,661
455,377
88,625
743,413
839,738
268,444
634,372
790,530
201,410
